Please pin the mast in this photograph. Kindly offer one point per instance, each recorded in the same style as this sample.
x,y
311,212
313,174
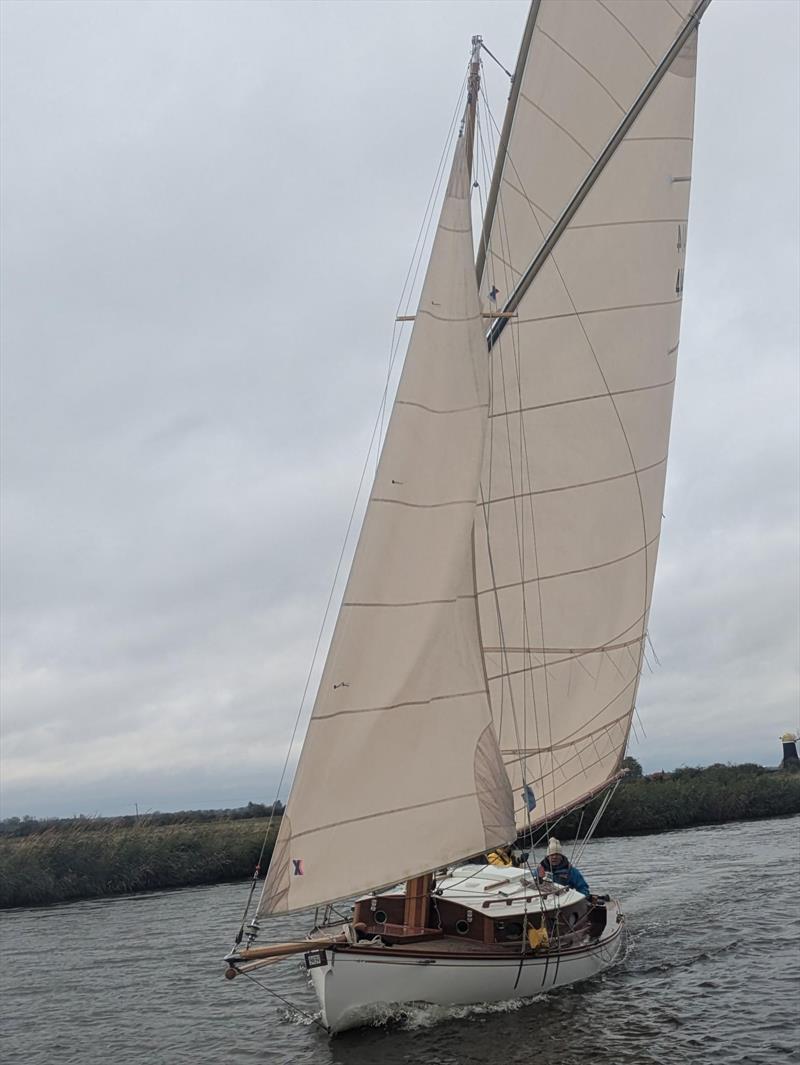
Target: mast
x,y
473,87
505,135
418,888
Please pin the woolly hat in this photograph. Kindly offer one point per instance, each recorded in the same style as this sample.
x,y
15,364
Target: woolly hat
x,y
553,846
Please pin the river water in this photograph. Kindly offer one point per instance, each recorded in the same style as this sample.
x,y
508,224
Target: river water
x,y
711,974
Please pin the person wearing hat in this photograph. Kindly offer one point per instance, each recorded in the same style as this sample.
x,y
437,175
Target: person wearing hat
x,y
557,866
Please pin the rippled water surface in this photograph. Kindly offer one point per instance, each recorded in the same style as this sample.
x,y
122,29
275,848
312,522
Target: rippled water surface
x,y
711,975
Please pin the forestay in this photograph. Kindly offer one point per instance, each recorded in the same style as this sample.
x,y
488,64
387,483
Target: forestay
x,y
400,771
567,527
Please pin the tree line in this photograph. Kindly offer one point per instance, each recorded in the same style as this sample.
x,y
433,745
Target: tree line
x,y
17,827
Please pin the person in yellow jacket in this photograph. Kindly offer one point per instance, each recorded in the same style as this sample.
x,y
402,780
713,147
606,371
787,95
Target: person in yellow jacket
x,y
499,857
538,939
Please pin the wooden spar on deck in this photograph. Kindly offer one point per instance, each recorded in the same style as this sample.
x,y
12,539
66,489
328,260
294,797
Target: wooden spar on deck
x,y
284,950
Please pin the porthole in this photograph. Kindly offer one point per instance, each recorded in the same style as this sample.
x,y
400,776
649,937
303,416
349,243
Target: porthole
x,y
462,927
380,917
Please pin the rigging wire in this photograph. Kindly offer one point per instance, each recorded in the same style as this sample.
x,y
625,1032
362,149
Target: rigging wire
x,y
285,1001
494,57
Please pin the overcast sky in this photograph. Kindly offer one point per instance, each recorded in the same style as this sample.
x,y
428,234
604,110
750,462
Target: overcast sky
x,y
208,213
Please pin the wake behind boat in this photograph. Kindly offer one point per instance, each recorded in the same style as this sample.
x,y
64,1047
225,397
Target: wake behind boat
x,y
482,675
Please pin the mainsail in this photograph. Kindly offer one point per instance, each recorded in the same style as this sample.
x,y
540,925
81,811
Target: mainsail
x,y
400,771
584,240
484,666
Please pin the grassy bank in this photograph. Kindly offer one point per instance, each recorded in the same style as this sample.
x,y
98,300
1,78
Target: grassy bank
x,y
57,860
91,859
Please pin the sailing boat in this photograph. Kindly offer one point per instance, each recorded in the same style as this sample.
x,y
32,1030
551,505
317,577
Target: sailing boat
x,y
483,671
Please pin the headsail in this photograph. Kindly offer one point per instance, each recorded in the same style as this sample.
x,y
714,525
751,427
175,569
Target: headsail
x,y
568,523
400,771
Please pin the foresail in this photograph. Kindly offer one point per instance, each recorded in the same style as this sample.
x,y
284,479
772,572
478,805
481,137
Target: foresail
x,y
568,525
400,771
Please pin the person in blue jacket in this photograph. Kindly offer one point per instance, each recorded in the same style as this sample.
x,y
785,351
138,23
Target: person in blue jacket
x,y
556,865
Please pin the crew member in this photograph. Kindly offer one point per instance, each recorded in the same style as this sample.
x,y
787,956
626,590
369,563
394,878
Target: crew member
x,y
556,865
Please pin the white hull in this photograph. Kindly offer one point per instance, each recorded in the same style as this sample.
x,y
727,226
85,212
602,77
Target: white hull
x,y
357,986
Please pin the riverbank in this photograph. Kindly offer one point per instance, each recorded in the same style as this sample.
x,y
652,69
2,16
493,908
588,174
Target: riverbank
x,y
55,861
90,859
688,797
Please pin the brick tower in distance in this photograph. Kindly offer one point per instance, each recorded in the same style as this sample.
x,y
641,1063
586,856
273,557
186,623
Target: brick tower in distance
x,y
790,760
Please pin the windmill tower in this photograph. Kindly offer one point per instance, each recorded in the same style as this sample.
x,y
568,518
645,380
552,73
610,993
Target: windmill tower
x,y
790,759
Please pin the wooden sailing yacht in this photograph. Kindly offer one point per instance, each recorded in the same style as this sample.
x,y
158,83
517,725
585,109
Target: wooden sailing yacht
x,y
483,671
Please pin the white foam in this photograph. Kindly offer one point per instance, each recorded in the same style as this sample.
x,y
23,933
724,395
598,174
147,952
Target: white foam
x,y
414,1016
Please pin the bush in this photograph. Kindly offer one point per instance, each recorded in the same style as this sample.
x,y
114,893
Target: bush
x,y
93,859
693,796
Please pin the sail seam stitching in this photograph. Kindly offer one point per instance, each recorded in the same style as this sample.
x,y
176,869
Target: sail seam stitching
x,y
434,410
530,751
418,602
680,16
689,139
424,506
597,310
557,124
397,706
580,484
569,658
531,203
444,318
566,650
583,399
629,32
586,70
572,572
630,222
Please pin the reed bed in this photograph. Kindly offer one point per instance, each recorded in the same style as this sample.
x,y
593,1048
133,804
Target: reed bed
x,y
689,797
88,860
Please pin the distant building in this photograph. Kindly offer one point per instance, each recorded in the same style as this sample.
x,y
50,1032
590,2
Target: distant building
x,y
790,759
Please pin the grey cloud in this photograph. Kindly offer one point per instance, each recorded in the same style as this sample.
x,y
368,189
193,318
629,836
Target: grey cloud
x,y
208,213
